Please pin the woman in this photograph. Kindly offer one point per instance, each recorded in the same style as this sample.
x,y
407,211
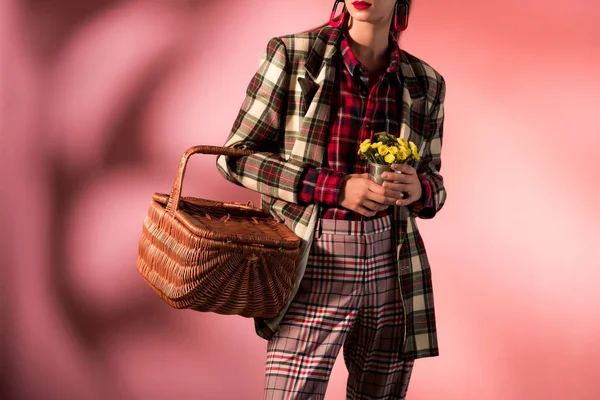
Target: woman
x,y
364,279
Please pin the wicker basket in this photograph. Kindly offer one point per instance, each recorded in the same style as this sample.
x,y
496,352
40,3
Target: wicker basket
x,y
206,255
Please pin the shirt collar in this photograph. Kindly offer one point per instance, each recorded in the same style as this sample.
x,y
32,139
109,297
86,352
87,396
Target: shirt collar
x,y
352,64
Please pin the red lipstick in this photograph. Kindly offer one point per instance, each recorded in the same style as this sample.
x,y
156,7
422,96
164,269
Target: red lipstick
x,y
361,5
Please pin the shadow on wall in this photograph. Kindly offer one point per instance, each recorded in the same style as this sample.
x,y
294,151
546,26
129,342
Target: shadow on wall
x,y
100,68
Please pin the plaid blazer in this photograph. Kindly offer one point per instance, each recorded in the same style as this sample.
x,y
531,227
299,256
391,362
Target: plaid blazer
x,y
285,117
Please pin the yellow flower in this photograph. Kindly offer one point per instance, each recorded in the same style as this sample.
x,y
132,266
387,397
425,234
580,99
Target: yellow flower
x,y
366,145
414,150
402,142
376,145
404,146
403,154
390,158
383,150
394,150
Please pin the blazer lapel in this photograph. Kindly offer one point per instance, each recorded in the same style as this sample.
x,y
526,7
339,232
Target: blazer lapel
x,y
317,88
308,88
414,106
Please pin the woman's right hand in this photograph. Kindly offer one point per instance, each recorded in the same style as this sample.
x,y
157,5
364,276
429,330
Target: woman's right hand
x,y
362,195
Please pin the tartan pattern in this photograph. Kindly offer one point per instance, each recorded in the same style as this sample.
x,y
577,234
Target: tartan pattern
x,y
321,185
425,203
349,296
359,109
286,115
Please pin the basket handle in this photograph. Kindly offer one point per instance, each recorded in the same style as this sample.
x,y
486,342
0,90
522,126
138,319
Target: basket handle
x,y
173,203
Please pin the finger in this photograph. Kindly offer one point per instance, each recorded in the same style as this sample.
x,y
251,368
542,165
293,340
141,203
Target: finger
x,y
393,196
366,212
405,203
400,177
408,199
375,188
381,199
392,189
399,186
372,205
404,168
396,177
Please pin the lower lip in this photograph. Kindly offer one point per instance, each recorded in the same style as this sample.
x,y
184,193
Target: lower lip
x,y
361,6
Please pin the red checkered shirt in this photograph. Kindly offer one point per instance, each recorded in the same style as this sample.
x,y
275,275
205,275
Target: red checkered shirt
x,y
357,113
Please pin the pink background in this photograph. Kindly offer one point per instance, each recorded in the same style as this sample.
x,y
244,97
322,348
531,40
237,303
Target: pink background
x,y
100,99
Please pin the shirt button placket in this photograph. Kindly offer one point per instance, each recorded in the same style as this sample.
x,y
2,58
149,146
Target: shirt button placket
x,y
367,131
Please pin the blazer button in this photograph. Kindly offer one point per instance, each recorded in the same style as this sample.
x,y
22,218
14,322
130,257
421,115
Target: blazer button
x,y
368,126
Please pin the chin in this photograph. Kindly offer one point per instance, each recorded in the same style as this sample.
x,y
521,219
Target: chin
x,y
362,16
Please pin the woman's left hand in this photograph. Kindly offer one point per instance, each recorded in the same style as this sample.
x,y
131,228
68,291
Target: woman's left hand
x,y
406,185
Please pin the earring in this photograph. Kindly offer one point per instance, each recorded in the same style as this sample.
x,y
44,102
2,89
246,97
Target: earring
x,y
401,15
332,22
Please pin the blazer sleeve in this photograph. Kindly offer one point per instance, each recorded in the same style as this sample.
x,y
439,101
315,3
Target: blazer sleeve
x,y
431,163
259,126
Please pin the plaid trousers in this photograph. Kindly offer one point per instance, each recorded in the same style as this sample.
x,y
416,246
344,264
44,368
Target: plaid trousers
x,y
349,296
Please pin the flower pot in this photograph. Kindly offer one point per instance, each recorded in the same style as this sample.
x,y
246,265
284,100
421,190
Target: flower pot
x,y
375,171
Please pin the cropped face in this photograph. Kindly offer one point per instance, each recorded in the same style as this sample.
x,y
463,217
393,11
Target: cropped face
x,y
377,12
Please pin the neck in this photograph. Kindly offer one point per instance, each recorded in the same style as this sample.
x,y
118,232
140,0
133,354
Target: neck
x,y
369,42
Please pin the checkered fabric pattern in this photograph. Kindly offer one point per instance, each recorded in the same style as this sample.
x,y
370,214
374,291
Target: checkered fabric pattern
x,y
349,296
285,117
360,108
